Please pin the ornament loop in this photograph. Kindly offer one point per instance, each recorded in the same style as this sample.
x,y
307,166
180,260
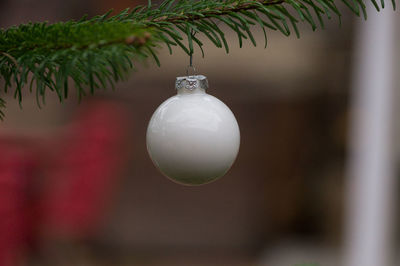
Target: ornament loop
x,y
190,67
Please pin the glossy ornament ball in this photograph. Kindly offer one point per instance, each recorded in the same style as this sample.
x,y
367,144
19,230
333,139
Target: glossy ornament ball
x,y
193,138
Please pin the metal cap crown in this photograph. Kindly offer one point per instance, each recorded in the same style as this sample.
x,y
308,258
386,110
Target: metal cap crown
x,y
192,82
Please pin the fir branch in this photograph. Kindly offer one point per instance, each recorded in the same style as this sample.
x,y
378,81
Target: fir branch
x,y
95,53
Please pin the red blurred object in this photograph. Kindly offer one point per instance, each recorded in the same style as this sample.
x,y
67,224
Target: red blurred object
x,y
82,173
67,190
17,198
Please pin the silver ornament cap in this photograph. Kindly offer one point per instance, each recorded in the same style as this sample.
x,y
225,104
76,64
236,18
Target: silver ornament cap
x,y
192,82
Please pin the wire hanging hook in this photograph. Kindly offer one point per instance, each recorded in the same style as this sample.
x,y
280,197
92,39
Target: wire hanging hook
x,y
190,66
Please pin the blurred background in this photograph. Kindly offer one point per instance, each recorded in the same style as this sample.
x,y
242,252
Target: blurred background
x,y
78,187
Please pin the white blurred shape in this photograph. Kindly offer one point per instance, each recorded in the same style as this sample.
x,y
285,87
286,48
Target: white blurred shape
x,y
371,175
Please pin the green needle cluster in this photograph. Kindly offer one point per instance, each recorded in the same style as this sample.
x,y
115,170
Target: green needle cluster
x,y
95,53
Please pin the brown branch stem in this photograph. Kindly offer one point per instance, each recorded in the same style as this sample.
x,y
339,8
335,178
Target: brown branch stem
x,y
218,12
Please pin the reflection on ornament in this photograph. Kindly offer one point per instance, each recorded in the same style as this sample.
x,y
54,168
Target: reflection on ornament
x,y
193,138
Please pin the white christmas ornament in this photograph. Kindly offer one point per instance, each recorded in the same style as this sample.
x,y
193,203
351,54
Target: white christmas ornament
x,y
193,138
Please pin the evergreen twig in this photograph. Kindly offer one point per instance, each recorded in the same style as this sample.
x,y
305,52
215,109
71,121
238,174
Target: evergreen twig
x,y
95,53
